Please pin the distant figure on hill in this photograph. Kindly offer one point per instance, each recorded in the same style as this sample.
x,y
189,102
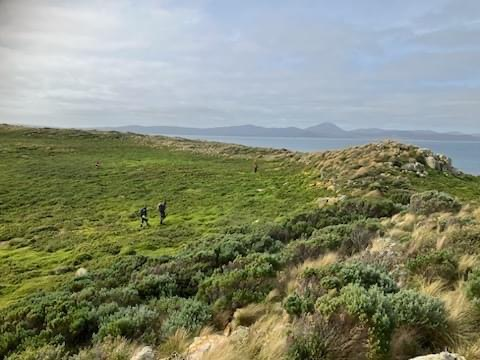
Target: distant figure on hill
x,y
143,216
255,167
162,208
97,164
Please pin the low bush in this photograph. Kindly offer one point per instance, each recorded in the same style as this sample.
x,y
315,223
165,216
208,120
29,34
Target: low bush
x,y
429,202
139,322
436,264
192,316
46,352
247,279
336,338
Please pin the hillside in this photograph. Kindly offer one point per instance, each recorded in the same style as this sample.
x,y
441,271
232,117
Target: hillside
x,y
365,253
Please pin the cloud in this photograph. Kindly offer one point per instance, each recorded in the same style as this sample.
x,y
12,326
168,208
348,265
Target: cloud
x,y
211,63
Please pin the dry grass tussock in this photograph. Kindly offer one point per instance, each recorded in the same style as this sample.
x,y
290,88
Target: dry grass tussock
x,y
405,221
379,244
423,236
467,262
398,235
292,275
266,340
109,349
471,350
476,214
175,344
463,316
247,316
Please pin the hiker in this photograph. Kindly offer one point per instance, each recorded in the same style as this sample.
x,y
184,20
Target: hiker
x,y
97,164
143,216
162,207
255,167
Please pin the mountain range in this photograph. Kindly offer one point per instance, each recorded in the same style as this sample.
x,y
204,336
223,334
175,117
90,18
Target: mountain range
x,y
323,130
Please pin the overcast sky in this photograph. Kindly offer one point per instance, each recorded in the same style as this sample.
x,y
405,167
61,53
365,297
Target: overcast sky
x,y
405,64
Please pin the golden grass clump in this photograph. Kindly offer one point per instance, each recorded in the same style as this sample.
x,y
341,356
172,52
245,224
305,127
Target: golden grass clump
x,y
290,277
467,262
463,316
423,236
175,344
265,340
109,349
247,316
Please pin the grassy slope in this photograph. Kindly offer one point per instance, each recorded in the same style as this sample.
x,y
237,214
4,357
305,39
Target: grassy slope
x,y
56,208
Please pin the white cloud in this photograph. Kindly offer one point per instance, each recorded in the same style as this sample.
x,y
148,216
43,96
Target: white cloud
x,y
217,63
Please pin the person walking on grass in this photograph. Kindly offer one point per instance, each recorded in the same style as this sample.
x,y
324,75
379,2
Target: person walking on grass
x,y
162,208
143,216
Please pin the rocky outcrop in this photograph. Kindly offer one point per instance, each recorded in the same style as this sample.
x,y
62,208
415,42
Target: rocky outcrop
x,y
445,355
437,161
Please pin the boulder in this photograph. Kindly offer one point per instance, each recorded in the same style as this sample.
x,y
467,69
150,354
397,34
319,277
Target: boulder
x,y
144,353
81,272
445,355
413,167
432,162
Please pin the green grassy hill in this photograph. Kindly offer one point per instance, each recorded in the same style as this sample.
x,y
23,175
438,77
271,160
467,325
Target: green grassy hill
x,y
312,246
59,212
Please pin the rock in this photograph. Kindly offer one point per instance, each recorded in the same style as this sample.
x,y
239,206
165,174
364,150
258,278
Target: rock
x,y
414,167
202,345
144,353
432,162
81,272
445,355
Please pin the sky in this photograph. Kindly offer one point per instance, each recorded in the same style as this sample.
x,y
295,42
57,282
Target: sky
x,y
403,64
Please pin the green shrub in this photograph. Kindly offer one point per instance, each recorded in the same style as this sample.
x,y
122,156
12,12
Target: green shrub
x,y
248,279
156,285
192,316
139,322
297,305
429,202
473,286
434,264
400,196
46,352
419,311
371,307
316,282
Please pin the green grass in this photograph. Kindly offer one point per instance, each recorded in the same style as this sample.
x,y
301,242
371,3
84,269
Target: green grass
x,y
59,212
465,187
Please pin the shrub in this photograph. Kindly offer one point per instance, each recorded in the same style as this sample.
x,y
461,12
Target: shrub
x,y
192,316
138,322
46,352
297,305
429,202
247,280
473,286
316,282
400,196
156,286
371,307
434,264
420,311
335,338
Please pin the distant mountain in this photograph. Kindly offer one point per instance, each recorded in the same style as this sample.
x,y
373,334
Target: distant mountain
x,y
323,130
327,130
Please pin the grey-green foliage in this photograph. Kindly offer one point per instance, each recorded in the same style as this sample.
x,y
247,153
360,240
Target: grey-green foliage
x,y
191,317
429,202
